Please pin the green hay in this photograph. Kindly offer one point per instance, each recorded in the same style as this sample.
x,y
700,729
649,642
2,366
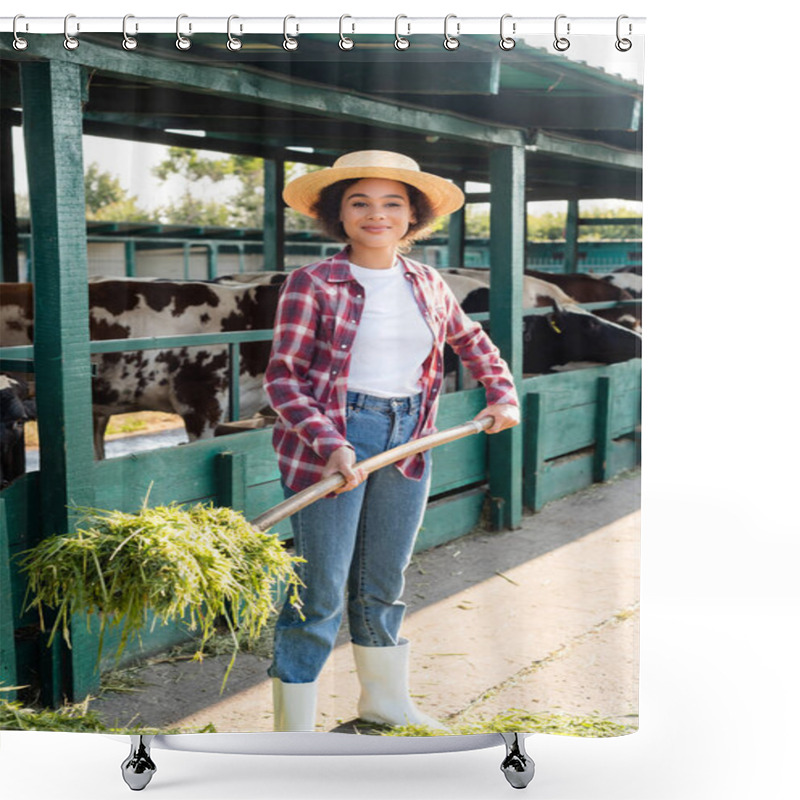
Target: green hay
x,y
161,565
518,721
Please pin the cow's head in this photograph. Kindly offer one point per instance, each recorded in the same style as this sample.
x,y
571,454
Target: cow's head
x,y
572,334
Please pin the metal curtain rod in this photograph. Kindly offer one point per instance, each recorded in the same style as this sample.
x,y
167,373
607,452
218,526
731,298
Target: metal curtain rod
x,y
188,24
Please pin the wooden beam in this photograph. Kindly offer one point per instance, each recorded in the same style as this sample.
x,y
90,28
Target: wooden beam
x,y
51,95
507,258
571,234
271,91
273,237
547,143
456,235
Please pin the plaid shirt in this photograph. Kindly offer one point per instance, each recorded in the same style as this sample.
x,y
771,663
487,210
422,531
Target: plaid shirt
x,y
306,379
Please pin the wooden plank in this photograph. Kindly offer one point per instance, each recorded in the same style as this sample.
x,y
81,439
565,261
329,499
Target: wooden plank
x,y
52,127
569,429
624,454
180,474
507,258
449,518
8,652
566,476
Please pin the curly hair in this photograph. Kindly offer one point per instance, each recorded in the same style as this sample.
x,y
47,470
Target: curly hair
x,y
327,211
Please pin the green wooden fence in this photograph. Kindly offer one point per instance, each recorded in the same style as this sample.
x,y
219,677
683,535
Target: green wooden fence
x,y
578,427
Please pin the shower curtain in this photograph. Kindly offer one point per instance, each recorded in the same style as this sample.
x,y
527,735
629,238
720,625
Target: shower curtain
x,y
156,170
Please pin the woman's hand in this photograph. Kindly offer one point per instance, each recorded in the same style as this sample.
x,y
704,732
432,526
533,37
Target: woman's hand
x,y
506,415
343,460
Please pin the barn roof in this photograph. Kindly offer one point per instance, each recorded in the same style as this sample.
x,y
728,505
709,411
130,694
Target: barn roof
x,y
581,126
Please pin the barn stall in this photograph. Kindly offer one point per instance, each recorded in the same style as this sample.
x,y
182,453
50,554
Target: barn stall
x,y
578,427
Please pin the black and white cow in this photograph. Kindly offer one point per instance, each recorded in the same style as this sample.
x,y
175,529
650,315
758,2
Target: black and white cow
x,y
16,408
189,381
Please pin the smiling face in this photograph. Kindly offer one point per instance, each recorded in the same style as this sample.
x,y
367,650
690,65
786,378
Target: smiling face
x,y
376,214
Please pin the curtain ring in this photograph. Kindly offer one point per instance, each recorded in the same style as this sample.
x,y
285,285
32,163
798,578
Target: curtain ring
x,y
623,45
506,42
182,43
450,42
288,42
401,43
128,42
70,42
233,44
19,43
561,43
345,43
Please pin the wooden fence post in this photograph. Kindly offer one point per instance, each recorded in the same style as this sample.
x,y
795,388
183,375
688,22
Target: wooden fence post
x,y
602,445
534,424
507,230
8,653
232,480
456,235
273,215
53,131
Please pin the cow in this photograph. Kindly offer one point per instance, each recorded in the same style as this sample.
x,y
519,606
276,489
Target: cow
x,y
589,289
626,278
579,287
567,334
252,277
189,381
16,408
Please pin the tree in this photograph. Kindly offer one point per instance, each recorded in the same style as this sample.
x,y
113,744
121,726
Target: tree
x,y
106,199
612,231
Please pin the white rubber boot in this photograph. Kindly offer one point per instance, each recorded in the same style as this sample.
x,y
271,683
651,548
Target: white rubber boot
x,y
295,705
383,674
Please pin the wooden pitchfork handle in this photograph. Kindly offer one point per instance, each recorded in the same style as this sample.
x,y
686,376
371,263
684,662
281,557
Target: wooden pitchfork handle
x,y
327,485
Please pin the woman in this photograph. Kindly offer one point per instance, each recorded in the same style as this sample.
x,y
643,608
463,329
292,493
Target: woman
x,y
356,369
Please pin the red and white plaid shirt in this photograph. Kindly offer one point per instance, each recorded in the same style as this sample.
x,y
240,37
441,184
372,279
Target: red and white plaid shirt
x,y
306,379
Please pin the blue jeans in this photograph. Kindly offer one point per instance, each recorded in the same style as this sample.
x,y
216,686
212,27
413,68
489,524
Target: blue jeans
x,y
357,546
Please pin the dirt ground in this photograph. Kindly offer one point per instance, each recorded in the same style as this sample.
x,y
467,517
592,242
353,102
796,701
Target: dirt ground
x,y
543,618
120,426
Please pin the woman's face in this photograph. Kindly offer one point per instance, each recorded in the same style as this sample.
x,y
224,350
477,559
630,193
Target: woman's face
x,y
376,213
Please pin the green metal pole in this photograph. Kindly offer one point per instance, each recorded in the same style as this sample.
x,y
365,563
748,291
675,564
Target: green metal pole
x,y
52,127
456,235
507,252
273,215
212,261
130,259
571,249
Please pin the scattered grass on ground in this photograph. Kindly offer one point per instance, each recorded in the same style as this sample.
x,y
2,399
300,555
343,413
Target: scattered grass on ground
x,y
516,720
70,718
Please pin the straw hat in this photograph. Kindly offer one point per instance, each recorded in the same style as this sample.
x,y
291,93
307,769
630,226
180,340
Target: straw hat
x,y
302,192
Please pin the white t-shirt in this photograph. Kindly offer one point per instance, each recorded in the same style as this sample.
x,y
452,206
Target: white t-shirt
x,y
392,340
